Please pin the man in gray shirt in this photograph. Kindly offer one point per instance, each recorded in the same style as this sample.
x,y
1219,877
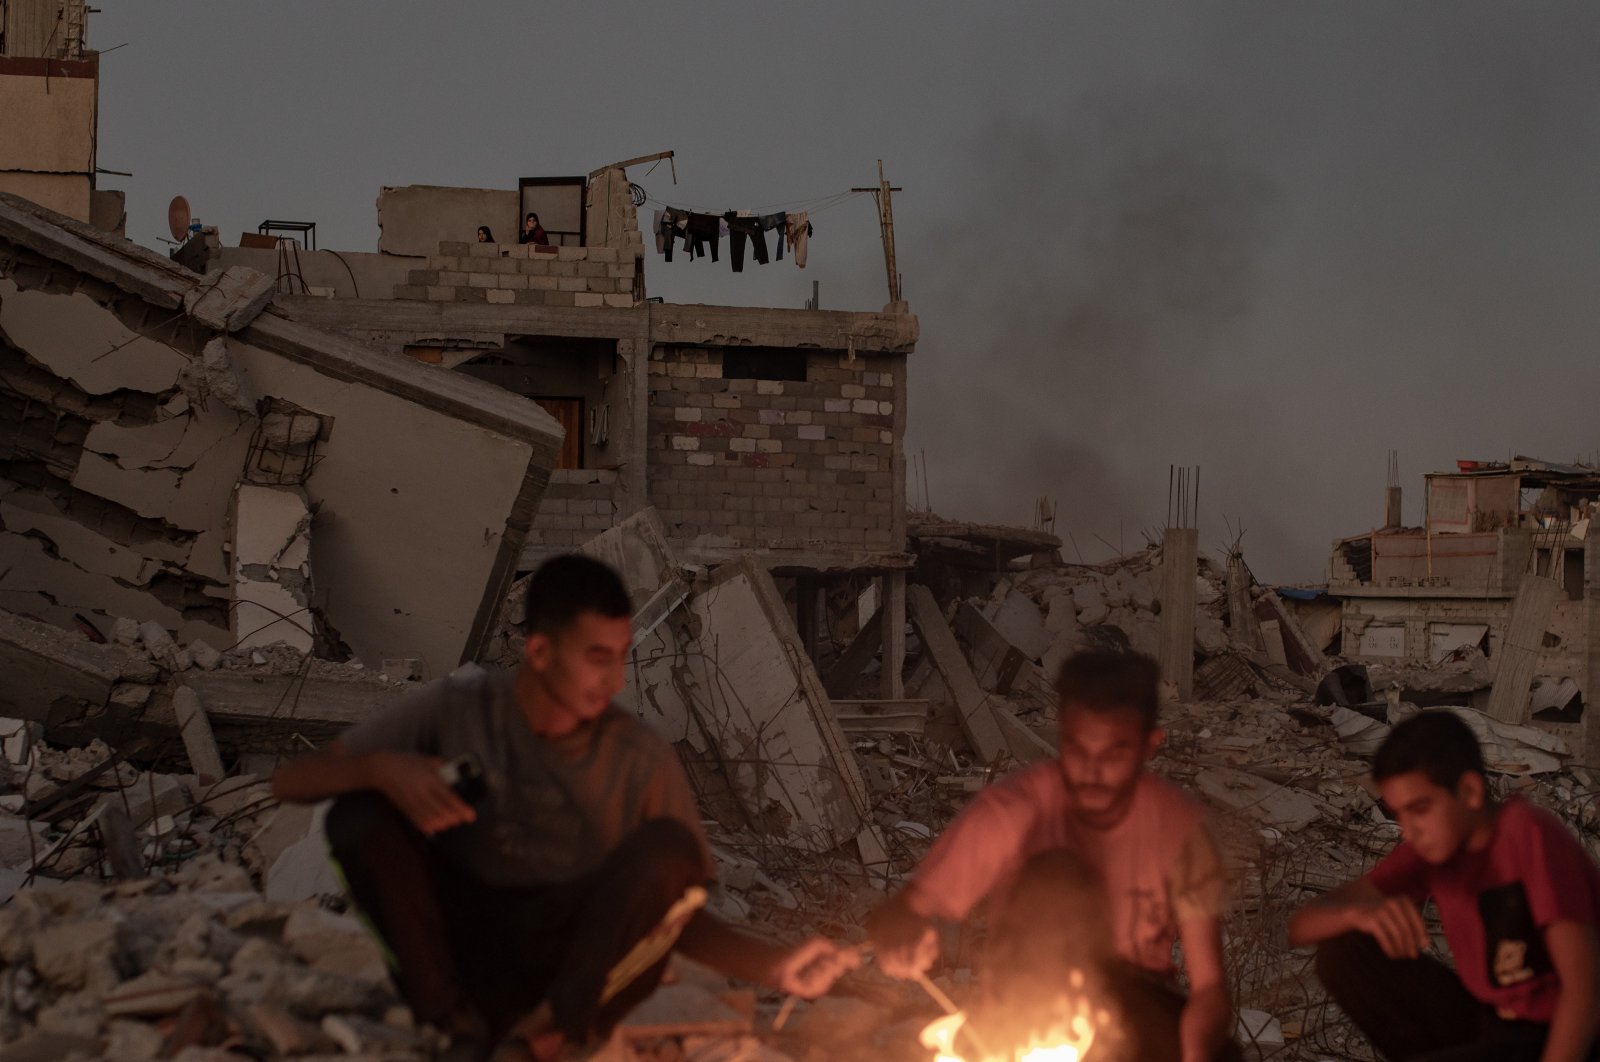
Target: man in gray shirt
x,y
505,915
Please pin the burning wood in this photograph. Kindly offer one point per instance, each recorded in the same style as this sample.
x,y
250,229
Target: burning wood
x,y
1066,1036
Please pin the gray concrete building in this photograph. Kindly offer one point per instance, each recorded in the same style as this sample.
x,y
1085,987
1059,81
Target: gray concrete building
x,y
1414,595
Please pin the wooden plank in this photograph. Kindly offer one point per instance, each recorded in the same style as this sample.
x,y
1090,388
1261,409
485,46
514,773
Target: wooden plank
x,y
1179,550
972,704
661,605
1519,655
846,671
995,661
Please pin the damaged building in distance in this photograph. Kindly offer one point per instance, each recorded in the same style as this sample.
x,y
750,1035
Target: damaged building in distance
x,y
1504,565
356,453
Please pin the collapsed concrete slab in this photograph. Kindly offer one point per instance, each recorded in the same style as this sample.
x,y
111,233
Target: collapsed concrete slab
x,y
121,471
52,675
758,703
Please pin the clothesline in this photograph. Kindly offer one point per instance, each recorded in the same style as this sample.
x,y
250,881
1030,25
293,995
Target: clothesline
x,y
827,202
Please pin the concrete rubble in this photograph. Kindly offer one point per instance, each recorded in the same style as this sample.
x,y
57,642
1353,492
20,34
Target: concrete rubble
x,y
199,575
230,932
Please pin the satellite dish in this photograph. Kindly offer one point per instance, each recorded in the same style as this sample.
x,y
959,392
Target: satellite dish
x,y
178,218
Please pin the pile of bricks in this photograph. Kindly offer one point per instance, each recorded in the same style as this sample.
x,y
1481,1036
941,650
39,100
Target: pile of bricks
x,y
526,275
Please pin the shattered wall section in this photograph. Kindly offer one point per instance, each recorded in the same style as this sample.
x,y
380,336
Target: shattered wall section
x,y
135,397
110,474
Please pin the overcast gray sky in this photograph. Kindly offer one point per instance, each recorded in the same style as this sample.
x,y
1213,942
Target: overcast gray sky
x,y
1272,240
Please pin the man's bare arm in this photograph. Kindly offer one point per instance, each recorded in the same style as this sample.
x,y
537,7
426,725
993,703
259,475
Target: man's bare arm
x,y
1358,906
1575,955
808,969
1208,1014
410,782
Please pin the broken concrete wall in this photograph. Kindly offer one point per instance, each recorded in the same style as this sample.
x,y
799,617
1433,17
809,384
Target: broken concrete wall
x,y
120,466
414,219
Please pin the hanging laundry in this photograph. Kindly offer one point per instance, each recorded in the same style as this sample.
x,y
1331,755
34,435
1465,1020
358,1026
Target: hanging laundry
x,y
701,229
777,221
798,235
671,224
741,228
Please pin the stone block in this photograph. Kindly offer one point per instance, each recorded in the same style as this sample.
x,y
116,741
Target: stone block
x,y
607,255
410,291
571,254
769,387
588,298
812,431
455,248
571,284
480,280
836,405
501,296
559,298
544,283
620,301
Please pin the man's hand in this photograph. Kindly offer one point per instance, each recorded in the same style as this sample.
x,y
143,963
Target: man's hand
x,y
811,967
906,942
413,785
1394,922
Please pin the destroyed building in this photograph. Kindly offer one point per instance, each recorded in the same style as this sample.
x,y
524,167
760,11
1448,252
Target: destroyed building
x,y
1505,565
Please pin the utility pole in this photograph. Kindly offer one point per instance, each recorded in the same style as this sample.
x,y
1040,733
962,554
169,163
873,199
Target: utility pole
x,y
884,196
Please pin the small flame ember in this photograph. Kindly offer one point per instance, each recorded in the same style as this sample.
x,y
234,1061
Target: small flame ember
x,y
1067,1039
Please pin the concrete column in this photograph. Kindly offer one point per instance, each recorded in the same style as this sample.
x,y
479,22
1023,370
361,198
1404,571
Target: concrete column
x,y
1180,548
1391,508
892,595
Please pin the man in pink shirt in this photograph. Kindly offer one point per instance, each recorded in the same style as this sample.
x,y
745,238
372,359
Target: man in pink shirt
x,y
1518,897
1091,864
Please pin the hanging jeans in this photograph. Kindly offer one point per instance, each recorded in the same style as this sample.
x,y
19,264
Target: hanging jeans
x,y
739,230
703,228
780,222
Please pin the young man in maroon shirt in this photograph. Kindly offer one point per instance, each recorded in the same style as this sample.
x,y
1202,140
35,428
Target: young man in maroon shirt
x,y
1092,864
1518,896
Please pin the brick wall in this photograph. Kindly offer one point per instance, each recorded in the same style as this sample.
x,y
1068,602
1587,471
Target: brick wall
x,y
525,274
578,504
777,463
607,271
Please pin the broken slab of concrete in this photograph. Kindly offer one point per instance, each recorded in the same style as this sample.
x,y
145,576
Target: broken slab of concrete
x,y
414,557
636,548
768,716
195,729
1519,654
229,299
52,675
972,703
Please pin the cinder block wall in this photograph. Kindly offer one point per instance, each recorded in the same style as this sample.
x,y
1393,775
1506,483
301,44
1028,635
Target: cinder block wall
x,y
524,274
776,463
578,504
608,271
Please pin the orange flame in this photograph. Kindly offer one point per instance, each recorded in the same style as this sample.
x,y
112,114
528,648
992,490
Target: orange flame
x,y
1068,1039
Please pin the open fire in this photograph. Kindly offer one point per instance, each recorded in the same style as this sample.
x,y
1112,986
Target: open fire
x,y
1067,1037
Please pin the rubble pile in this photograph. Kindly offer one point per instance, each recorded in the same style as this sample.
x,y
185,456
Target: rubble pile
x,y
158,903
